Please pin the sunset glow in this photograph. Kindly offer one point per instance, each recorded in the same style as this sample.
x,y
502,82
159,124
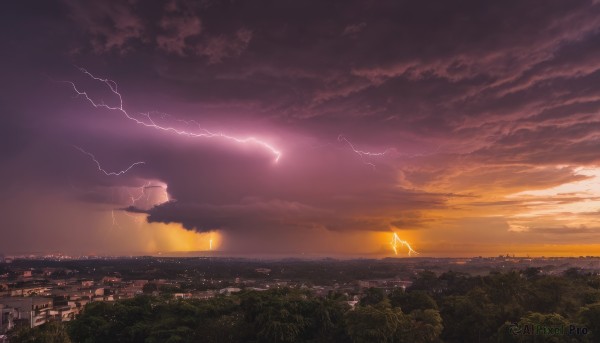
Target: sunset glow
x,y
230,128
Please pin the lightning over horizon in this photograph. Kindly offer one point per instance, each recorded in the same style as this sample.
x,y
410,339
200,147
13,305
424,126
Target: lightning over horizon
x,y
112,85
396,241
282,139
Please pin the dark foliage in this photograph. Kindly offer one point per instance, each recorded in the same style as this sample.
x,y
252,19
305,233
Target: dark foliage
x,y
451,307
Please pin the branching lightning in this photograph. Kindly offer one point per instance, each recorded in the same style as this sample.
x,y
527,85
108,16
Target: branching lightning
x,y
134,199
149,122
363,154
102,169
142,191
396,242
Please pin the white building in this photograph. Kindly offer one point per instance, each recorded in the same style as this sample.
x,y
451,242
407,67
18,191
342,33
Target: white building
x,y
33,310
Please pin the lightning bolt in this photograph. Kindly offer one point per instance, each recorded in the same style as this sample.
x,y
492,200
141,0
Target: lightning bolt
x,y
149,122
114,219
143,192
363,154
107,173
142,189
396,241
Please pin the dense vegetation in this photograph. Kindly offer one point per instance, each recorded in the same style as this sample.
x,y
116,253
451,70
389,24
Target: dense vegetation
x,y
321,272
451,307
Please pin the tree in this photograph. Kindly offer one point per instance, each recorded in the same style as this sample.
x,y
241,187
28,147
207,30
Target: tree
x,y
122,321
427,281
226,328
548,294
410,301
372,296
458,283
531,272
426,326
573,273
279,315
589,316
51,332
470,318
372,324
149,288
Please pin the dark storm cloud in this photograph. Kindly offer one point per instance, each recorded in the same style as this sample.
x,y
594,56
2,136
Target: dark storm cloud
x,y
256,214
468,98
111,25
302,191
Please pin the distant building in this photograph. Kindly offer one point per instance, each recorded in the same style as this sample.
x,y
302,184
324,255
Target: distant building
x,y
265,271
6,318
229,290
111,279
384,283
63,313
28,291
183,295
33,310
399,283
367,283
49,271
139,283
204,294
87,283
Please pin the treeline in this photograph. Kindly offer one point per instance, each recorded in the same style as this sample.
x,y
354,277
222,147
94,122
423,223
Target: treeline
x,y
319,272
451,307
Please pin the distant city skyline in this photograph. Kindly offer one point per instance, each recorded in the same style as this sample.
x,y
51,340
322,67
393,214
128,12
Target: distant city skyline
x,y
280,128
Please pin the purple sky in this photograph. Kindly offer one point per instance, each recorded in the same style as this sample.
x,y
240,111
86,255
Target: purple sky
x,y
466,127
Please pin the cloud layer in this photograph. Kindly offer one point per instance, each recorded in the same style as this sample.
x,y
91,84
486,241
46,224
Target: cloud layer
x,y
456,115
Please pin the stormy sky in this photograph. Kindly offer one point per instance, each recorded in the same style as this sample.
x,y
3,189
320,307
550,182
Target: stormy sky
x,y
300,127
